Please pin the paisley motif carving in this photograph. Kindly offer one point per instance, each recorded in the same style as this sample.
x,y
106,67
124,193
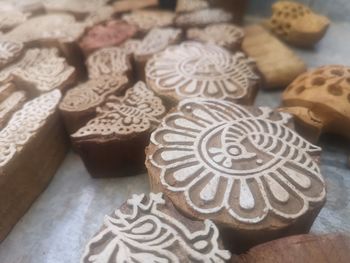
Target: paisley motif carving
x,y
42,68
201,70
144,229
243,165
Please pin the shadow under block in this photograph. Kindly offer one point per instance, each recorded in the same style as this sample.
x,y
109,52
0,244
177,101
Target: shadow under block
x,y
278,64
26,175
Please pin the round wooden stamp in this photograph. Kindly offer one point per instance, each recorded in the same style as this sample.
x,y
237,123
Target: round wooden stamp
x,y
149,228
192,69
242,167
225,35
112,33
115,139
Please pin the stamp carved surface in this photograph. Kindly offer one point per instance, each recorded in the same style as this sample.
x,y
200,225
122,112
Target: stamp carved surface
x,y
148,232
247,164
201,70
25,123
138,111
9,51
203,17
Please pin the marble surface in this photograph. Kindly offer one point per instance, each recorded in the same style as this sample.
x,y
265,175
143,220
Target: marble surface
x,y
71,210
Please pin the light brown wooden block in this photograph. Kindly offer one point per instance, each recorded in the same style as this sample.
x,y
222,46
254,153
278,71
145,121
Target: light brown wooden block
x,y
225,35
40,70
109,61
123,6
33,144
193,69
9,51
297,24
114,141
278,64
203,17
149,228
80,103
242,167
183,6
319,99
154,42
301,249
146,20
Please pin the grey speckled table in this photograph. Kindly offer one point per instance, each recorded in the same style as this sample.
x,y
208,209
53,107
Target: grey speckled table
x,y
71,210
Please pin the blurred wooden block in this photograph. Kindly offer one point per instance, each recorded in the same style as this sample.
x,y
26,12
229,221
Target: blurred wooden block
x,y
33,144
300,249
10,51
236,7
183,6
122,6
278,64
9,105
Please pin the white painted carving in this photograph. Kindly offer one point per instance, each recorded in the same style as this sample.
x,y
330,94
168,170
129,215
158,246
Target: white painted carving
x,y
248,164
108,61
9,51
190,5
203,17
195,70
41,67
25,123
148,234
138,111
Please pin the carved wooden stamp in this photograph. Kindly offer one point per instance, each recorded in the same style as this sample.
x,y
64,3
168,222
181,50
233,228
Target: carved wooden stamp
x,y
145,20
244,168
114,141
40,70
155,41
183,6
33,144
225,35
301,249
319,99
80,103
151,228
112,33
10,50
193,70
202,18
10,17
9,105
109,61
123,6
130,46
297,24
277,63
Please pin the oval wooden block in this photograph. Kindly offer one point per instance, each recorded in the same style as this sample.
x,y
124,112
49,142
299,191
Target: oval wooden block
x,y
183,6
241,167
301,249
225,35
115,139
80,103
192,69
40,70
112,33
297,24
320,101
146,20
109,61
150,229
202,18
10,50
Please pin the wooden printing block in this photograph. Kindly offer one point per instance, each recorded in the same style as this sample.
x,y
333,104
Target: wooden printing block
x,y
192,69
10,51
319,99
154,42
225,35
203,18
242,167
146,20
6,90
302,249
80,103
112,33
102,14
123,6
237,8
39,70
114,141
184,6
277,63
33,144
10,17
297,24
149,228
109,61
